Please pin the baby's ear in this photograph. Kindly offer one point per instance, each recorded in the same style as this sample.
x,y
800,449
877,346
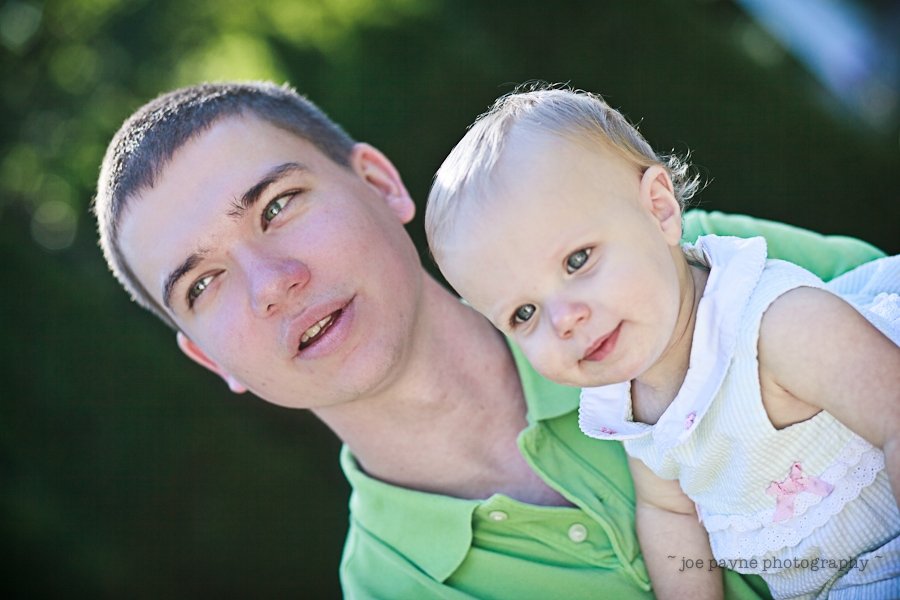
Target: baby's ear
x,y
193,351
658,197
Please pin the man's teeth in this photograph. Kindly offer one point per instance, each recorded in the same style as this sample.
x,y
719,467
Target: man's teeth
x,y
315,329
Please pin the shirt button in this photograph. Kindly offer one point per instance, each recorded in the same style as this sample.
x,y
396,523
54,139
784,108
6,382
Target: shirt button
x,y
578,533
498,515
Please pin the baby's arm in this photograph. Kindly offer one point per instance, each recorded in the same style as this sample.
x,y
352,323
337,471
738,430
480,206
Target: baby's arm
x,y
669,532
817,350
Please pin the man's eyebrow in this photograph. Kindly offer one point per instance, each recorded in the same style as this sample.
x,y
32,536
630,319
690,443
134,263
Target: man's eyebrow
x,y
251,196
175,276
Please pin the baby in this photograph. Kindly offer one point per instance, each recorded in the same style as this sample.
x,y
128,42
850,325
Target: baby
x,y
760,410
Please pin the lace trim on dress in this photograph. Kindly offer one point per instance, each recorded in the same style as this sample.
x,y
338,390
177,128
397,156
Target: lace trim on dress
x,y
745,536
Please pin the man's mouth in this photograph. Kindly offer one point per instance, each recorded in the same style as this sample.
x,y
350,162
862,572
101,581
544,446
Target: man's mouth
x,y
312,334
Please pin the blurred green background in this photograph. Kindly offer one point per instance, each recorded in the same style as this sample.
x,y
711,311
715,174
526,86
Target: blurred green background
x,y
125,470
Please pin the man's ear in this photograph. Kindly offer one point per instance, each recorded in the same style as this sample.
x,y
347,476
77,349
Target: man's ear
x,y
379,172
658,197
197,355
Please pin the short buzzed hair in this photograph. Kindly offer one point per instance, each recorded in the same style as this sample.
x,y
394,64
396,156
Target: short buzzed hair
x,y
147,140
542,108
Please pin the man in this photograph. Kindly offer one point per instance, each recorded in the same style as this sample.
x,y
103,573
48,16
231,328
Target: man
x,y
274,245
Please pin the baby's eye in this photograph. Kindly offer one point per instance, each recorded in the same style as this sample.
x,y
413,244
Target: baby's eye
x,y
577,259
275,207
198,288
522,314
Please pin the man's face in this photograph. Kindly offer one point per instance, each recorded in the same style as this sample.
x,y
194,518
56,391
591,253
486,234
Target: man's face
x,y
292,275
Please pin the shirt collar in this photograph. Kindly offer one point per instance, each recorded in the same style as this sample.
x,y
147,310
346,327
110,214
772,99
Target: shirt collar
x,y
410,521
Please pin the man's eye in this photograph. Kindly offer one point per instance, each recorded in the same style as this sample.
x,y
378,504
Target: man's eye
x,y
274,207
576,260
522,314
198,288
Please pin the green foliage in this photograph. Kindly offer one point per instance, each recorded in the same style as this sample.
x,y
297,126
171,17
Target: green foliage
x,y
127,471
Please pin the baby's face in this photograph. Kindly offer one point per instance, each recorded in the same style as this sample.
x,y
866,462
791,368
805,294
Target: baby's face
x,y
573,257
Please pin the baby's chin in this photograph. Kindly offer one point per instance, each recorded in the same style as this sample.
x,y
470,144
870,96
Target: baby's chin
x,y
587,375
572,377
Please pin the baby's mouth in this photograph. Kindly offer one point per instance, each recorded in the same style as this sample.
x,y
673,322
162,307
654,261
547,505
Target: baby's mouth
x,y
312,334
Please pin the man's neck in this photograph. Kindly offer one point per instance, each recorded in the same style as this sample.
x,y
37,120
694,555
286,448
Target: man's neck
x,y
448,420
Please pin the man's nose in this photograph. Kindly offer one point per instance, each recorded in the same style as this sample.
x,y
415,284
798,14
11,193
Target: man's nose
x,y
273,281
566,316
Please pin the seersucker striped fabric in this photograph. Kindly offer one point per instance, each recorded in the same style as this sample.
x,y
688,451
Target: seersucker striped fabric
x,y
809,507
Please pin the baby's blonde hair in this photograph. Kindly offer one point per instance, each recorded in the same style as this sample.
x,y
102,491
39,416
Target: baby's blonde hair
x,y
556,110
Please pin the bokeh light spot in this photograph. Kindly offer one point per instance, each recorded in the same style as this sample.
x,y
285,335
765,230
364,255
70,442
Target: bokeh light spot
x,y
53,225
232,56
74,68
19,21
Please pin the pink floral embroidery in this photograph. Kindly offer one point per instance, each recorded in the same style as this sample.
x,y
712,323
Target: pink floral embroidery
x,y
786,491
607,431
689,420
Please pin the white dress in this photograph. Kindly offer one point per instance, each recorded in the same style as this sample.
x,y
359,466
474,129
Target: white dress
x,y
808,507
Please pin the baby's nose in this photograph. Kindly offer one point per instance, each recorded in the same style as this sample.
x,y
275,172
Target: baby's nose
x,y
567,316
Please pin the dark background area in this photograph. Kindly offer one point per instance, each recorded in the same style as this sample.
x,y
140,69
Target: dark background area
x,y
125,470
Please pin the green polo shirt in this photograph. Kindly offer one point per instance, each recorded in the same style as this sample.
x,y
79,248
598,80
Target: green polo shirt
x,y
404,543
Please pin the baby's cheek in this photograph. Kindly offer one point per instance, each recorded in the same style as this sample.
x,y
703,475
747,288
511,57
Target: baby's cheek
x,y
541,356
